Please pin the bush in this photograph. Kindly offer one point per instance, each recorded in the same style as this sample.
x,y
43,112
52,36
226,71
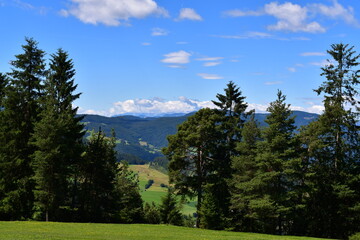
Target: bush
x,y
149,183
356,236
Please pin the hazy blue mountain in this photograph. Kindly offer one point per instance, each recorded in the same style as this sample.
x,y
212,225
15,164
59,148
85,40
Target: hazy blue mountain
x,y
143,137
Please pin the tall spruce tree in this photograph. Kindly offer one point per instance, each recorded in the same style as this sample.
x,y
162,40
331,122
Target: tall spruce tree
x,y
192,153
97,180
232,116
266,190
244,170
21,111
58,139
332,147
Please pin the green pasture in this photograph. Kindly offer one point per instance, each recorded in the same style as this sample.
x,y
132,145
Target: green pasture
x,y
155,192
82,231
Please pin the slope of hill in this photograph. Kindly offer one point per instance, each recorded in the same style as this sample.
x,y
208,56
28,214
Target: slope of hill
x,y
155,192
32,230
144,137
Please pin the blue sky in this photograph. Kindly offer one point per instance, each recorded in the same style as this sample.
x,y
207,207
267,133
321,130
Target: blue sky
x,y
166,56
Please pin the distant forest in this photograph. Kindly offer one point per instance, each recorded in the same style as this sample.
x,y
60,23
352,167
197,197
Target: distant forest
x,y
275,178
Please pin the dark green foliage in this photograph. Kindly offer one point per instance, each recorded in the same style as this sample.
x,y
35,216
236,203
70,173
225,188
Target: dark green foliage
x,y
161,164
152,213
244,169
355,237
58,139
21,111
192,152
170,209
211,217
149,184
331,150
232,116
130,159
262,179
128,196
97,173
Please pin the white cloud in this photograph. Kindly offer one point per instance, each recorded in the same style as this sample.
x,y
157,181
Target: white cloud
x,y
273,83
146,44
291,17
239,13
322,63
159,32
181,43
296,18
312,109
209,59
309,54
158,106
210,76
112,12
291,69
211,64
180,57
188,14
337,11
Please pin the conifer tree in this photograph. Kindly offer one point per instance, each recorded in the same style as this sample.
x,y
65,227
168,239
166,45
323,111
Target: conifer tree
x,y
129,204
21,111
332,147
97,179
232,116
170,209
192,153
58,138
266,190
244,170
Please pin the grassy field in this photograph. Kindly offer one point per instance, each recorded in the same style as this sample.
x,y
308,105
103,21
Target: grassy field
x,y
155,192
82,231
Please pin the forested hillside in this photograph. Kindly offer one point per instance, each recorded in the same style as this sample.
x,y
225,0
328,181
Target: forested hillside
x,y
140,139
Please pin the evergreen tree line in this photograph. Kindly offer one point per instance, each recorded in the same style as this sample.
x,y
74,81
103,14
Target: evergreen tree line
x,y
47,170
276,179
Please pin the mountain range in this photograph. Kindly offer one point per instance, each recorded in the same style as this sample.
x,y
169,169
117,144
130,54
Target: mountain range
x,y
140,139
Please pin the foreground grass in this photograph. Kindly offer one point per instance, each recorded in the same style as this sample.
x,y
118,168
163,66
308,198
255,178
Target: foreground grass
x,y
82,231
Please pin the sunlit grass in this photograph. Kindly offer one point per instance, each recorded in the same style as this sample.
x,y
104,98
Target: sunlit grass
x,y
82,231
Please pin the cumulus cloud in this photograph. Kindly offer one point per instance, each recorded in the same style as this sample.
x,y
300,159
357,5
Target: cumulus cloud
x,y
180,57
337,11
158,106
112,12
296,18
159,32
210,76
188,14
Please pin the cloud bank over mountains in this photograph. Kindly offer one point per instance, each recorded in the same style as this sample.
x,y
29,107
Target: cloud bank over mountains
x,y
160,107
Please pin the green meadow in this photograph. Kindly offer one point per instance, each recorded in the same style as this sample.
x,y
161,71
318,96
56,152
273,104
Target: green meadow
x,y
156,192
82,231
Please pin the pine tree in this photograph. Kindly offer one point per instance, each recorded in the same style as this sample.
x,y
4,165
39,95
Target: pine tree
x,y
170,209
129,202
21,111
97,179
232,116
332,147
244,170
192,154
267,205
58,138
